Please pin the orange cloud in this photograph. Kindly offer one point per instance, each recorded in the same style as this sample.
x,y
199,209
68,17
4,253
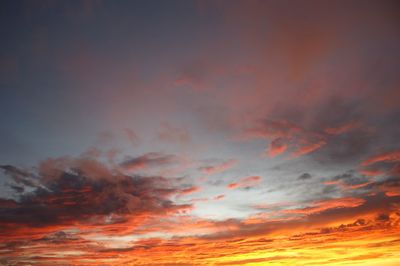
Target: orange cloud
x,y
276,147
342,129
246,182
218,168
190,190
288,136
233,185
219,197
366,227
323,205
371,172
308,148
370,237
392,156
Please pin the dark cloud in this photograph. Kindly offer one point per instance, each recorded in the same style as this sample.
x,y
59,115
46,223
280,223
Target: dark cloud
x,y
355,183
350,178
19,176
347,147
59,237
389,185
304,176
77,193
329,189
18,189
383,217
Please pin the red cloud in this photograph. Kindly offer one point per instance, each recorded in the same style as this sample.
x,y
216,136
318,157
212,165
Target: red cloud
x,y
393,156
320,206
308,148
245,182
372,172
219,197
218,168
287,136
387,163
233,185
342,129
276,147
190,190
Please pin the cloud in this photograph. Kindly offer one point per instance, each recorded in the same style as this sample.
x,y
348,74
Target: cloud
x,y
218,168
287,136
304,176
219,197
59,237
390,186
233,185
276,147
391,157
190,190
372,172
274,129
382,164
348,182
300,138
19,176
341,223
246,182
323,205
308,148
83,190
342,128
151,159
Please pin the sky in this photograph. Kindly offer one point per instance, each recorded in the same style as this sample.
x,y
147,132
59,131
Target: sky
x,y
189,133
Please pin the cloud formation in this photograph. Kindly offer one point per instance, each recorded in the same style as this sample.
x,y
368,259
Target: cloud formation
x,y
84,191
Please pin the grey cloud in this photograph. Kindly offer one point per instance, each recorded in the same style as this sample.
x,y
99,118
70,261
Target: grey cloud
x,y
304,176
77,194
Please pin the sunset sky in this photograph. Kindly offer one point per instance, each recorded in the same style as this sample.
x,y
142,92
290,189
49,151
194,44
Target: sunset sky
x,y
192,133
